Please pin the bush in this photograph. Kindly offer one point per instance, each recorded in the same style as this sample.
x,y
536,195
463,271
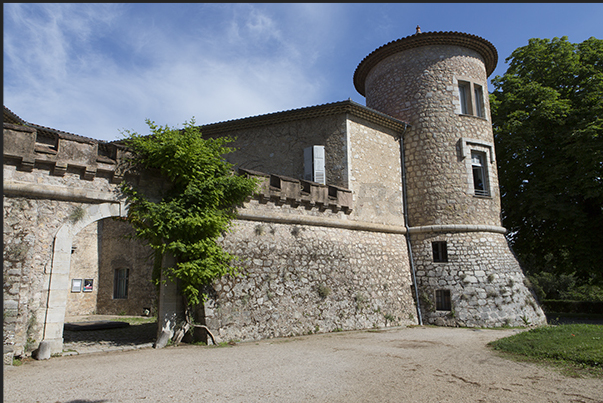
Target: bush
x,y
566,306
549,286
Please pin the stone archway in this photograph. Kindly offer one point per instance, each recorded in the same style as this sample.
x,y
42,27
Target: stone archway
x,y
58,279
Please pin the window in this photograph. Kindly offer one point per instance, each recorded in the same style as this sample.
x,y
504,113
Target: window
x,y
471,99
479,100
464,97
440,251
478,165
314,164
443,300
120,284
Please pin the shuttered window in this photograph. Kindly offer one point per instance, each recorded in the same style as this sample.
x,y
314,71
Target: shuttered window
x,y
314,164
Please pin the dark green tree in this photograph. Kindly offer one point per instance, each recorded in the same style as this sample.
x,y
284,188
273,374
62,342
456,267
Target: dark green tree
x,y
195,211
547,114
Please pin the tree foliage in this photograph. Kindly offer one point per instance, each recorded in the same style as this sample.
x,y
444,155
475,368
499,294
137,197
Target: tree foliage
x,y
547,113
195,211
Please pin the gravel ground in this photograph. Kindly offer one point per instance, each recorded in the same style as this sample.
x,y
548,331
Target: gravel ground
x,y
417,364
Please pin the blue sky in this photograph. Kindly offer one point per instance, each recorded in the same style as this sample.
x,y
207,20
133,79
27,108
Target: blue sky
x,y
94,69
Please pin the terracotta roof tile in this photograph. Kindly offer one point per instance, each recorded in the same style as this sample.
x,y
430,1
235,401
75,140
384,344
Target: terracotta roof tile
x,y
474,42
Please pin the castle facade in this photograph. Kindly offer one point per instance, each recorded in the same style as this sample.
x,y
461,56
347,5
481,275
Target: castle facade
x,y
368,216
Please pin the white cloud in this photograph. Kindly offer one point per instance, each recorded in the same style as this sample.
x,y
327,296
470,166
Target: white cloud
x,y
94,69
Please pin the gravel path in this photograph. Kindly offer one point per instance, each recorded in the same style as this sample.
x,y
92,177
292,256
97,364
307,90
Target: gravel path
x,y
418,364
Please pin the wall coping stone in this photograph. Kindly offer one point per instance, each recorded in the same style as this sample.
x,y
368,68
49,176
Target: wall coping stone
x,y
457,228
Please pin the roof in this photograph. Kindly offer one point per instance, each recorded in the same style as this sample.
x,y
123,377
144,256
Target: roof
x,y
473,42
309,112
43,131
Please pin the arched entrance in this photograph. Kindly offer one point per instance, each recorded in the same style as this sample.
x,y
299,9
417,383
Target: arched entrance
x,y
58,283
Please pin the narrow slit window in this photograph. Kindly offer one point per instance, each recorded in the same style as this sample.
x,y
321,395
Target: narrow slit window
x,y
440,251
443,300
478,165
120,284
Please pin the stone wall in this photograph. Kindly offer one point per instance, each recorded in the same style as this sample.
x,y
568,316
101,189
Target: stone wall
x,y
119,251
487,286
84,266
29,228
279,148
301,279
375,173
420,86
52,180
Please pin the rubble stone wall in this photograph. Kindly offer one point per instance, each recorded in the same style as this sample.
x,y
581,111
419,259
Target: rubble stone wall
x,y
420,86
279,148
487,286
119,251
301,279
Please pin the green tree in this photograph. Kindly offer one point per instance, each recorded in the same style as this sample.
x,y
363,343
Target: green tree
x,y
196,210
547,114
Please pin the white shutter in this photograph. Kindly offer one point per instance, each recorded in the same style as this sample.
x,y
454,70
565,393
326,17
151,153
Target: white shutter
x,y
319,164
314,164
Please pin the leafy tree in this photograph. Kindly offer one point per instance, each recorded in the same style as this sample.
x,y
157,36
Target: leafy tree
x,y
195,211
547,113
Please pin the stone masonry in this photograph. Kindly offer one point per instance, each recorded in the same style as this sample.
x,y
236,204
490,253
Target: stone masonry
x,y
413,173
418,79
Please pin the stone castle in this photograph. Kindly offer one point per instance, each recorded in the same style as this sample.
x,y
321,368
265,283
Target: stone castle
x,y
368,216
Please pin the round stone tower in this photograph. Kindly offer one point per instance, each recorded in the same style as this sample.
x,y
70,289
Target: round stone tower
x,y
437,82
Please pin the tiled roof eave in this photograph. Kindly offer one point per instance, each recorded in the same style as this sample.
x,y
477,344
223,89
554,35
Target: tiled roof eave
x,y
473,42
330,109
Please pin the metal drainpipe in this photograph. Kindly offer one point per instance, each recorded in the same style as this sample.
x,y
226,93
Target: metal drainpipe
x,y
404,205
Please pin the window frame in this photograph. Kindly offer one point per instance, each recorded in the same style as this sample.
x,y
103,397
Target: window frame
x,y
464,88
439,251
443,300
120,290
478,93
470,95
467,147
482,169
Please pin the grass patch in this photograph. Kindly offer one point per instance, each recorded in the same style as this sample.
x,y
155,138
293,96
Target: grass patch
x,y
577,348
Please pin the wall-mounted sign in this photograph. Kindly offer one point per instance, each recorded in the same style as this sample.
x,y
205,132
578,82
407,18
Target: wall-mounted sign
x,y
76,285
88,285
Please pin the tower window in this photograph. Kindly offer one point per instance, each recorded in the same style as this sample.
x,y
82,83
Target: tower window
x,y
120,284
471,99
440,251
465,97
479,100
443,300
478,165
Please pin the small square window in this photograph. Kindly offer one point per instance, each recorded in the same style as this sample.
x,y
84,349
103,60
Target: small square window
x,y
120,283
440,251
443,300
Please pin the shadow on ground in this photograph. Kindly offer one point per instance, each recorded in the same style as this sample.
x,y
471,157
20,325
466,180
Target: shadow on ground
x,y
134,334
